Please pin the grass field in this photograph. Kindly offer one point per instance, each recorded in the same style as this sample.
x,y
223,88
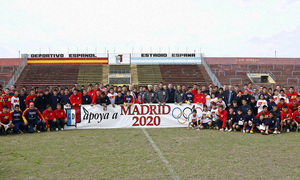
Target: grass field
x,y
127,154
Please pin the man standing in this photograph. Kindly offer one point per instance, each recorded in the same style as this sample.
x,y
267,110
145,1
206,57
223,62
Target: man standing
x,y
230,96
150,95
162,95
179,96
171,93
76,102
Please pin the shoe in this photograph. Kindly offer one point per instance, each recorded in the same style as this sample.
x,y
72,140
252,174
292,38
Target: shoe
x,y
34,129
229,130
56,129
244,131
20,132
287,130
221,129
266,132
275,132
38,131
297,130
226,129
262,132
251,132
197,129
234,130
278,132
62,129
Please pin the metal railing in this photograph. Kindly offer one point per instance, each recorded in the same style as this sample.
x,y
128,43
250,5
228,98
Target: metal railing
x,y
211,75
17,73
119,71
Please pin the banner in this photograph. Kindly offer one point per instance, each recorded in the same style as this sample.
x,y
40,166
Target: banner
x,y
166,58
71,117
136,116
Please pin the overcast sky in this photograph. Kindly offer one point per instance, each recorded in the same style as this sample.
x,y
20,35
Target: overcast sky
x,y
255,28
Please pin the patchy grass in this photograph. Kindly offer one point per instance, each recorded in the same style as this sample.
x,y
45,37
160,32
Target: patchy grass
x,y
127,154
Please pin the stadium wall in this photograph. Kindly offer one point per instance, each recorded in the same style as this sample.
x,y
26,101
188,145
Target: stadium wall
x,y
252,60
69,61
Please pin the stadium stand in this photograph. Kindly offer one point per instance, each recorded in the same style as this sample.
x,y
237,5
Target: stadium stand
x,y
90,74
48,75
149,74
184,74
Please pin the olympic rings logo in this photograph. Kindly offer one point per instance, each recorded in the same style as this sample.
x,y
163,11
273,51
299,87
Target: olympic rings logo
x,y
185,113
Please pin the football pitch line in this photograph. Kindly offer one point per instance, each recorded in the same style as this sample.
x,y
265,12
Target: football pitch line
x,y
161,156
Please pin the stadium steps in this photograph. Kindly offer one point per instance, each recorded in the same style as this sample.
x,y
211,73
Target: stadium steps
x,y
48,75
148,74
90,74
183,74
120,69
134,75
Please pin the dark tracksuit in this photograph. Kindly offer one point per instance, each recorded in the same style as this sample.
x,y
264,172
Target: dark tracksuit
x,y
86,99
32,117
40,103
54,101
162,95
150,96
119,100
179,97
17,121
172,94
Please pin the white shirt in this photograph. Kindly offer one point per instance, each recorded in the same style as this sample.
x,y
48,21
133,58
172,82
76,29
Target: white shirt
x,y
285,98
206,117
215,114
260,104
276,99
207,101
194,119
14,101
112,97
219,103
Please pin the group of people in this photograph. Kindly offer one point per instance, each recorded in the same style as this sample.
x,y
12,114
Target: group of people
x,y
226,108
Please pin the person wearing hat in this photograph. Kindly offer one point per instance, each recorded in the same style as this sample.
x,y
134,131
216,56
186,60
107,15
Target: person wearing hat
x,y
40,101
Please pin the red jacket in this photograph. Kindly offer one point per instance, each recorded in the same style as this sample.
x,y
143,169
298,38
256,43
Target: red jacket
x,y
7,100
200,98
296,116
286,115
266,114
75,99
223,117
292,97
30,99
48,115
139,102
293,108
4,118
92,93
281,106
60,114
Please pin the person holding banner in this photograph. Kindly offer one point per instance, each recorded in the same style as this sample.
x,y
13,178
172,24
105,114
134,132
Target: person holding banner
x,y
76,101
179,96
128,99
162,95
119,98
104,100
139,100
150,95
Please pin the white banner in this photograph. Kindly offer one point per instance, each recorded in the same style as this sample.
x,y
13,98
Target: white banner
x,y
136,116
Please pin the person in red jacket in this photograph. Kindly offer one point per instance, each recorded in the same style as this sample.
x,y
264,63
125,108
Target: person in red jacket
x,y
96,98
296,118
293,106
292,95
30,98
264,111
286,118
139,100
61,117
222,117
281,104
76,101
49,116
7,98
200,98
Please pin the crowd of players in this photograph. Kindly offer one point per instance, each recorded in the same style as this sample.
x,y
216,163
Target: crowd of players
x,y
228,108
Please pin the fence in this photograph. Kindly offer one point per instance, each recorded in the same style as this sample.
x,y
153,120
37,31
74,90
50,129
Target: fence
x,y
211,75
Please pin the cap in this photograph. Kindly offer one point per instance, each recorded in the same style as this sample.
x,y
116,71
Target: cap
x,y
41,91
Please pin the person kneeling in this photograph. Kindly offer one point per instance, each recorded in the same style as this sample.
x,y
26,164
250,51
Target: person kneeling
x,y
205,118
61,117
50,117
194,120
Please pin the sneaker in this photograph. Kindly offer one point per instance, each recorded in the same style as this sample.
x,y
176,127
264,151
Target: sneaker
x,y
226,129
34,129
62,129
297,130
262,132
229,130
287,130
244,131
275,132
251,132
278,132
20,132
221,129
266,132
38,131
56,129
197,129
234,130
